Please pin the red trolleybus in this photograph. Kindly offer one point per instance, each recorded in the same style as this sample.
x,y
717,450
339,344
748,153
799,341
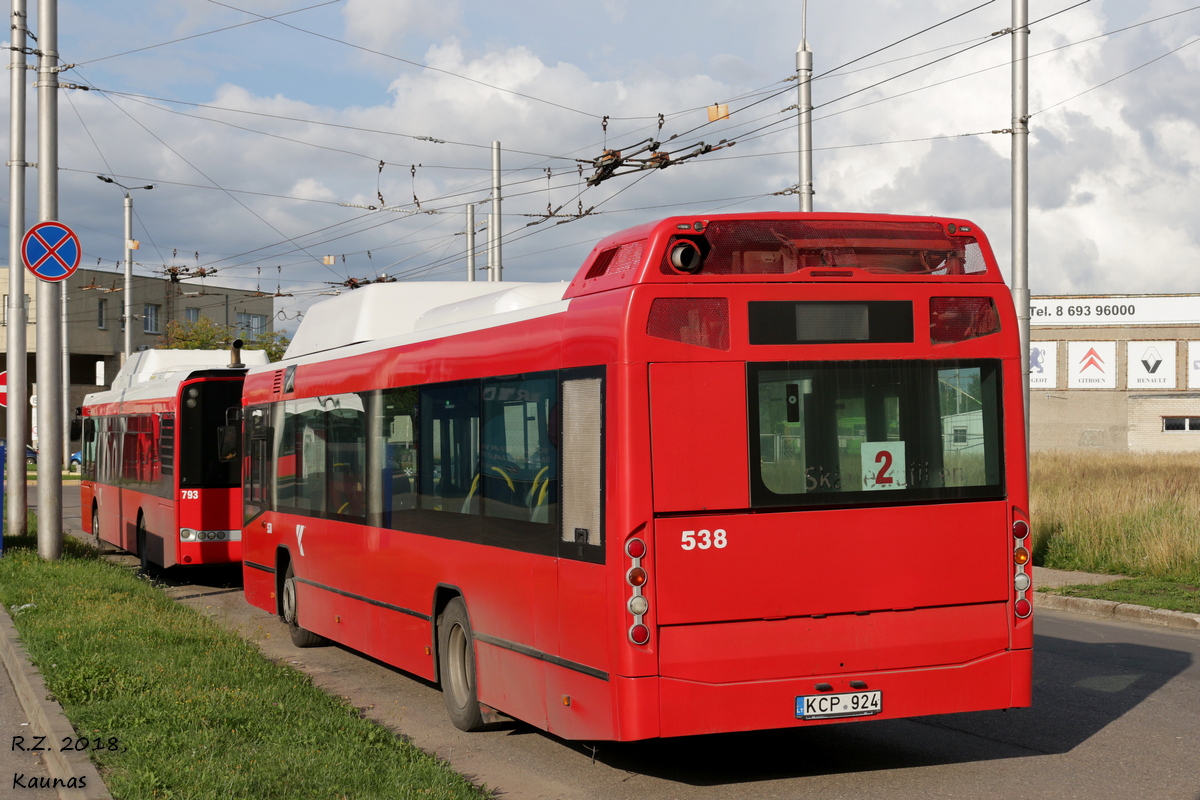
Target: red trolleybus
x,y
743,472
153,483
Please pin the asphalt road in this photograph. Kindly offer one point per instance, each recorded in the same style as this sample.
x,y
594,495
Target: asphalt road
x,y
1116,710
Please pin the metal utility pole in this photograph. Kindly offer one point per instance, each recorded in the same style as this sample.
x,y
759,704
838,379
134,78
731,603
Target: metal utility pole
x,y
128,259
17,413
470,242
804,71
1020,186
495,264
49,293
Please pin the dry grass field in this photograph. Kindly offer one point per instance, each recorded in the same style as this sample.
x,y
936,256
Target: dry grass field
x,y
1132,514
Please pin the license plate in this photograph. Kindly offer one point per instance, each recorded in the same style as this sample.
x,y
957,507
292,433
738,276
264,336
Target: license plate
x,y
848,704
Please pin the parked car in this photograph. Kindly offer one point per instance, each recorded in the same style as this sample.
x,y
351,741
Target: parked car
x,y
76,460
30,453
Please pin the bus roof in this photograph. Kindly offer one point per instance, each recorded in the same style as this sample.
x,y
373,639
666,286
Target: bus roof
x,y
386,310
157,373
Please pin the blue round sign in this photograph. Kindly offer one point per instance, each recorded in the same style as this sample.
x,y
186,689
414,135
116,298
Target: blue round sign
x,y
51,251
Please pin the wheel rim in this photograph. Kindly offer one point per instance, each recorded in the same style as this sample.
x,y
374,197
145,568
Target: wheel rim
x,y
289,601
96,524
459,679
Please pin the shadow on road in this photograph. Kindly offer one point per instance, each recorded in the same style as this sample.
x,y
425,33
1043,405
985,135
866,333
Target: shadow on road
x,y
1079,689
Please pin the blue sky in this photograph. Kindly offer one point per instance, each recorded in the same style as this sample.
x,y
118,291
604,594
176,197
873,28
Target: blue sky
x,y
263,139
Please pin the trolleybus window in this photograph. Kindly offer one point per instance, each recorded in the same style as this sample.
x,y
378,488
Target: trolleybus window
x,y
846,432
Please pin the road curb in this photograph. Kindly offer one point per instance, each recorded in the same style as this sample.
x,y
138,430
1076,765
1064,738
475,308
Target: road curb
x,y
1126,612
46,715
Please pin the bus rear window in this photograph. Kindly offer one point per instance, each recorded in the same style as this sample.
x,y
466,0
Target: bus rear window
x,y
874,432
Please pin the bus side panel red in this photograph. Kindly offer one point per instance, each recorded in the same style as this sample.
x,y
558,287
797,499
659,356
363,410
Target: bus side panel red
x,y
579,706
698,421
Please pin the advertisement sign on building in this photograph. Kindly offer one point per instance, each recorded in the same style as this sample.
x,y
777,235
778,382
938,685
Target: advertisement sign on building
x,y
1151,365
1072,311
1043,365
1091,365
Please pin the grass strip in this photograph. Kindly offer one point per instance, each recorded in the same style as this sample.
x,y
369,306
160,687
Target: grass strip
x,y
1130,514
1153,592
177,707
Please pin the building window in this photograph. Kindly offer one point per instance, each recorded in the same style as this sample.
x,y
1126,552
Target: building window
x,y
1181,423
192,314
101,315
252,324
150,318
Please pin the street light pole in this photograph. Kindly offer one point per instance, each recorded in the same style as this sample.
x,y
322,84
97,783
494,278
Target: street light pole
x,y
128,259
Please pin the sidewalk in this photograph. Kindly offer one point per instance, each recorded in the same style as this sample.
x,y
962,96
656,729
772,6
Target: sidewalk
x,y
1126,612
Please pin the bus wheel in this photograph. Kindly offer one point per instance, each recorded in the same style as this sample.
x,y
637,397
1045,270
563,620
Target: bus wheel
x,y
291,615
456,665
143,556
96,524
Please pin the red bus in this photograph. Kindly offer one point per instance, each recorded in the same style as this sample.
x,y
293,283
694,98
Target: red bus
x,y
744,472
153,483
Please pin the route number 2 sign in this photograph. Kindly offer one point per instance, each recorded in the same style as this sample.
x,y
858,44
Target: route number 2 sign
x,y
883,466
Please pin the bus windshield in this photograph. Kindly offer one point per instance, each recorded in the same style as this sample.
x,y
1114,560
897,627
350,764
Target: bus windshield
x,y
201,414
872,432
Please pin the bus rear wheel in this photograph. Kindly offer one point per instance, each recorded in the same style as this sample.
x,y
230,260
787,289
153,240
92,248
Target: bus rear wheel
x,y
290,612
143,556
456,666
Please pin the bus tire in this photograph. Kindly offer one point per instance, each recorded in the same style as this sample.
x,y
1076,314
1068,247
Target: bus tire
x,y
290,612
96,524
456,667
143,556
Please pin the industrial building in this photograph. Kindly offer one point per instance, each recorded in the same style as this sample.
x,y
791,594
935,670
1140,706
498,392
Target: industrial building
x,y
95,332
1115,372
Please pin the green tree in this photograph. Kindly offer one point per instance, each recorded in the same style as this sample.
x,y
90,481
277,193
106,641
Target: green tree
x,y
205,334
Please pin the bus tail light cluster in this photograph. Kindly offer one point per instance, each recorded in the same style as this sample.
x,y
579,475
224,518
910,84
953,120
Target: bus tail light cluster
x,y
1021,580
956,319
638,605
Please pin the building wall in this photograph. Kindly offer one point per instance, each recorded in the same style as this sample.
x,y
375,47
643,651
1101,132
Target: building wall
x,y
1124,418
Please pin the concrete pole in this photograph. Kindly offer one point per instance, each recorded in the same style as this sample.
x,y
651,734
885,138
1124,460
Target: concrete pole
x,y
470,242
1020,187
804,71
495,260
49,293
128,274
17,413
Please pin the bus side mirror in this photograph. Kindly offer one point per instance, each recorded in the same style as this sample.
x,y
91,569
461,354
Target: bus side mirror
x,y
77,428
228,441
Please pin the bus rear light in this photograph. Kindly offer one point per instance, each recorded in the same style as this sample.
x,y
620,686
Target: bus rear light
x,y
1022,582
187,535
639,634
636,577
1020,556
638,605
1023,608
635,548
956,319
1020,529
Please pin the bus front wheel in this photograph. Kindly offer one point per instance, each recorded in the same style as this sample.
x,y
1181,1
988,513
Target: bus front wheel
x,y
456,657
290,611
